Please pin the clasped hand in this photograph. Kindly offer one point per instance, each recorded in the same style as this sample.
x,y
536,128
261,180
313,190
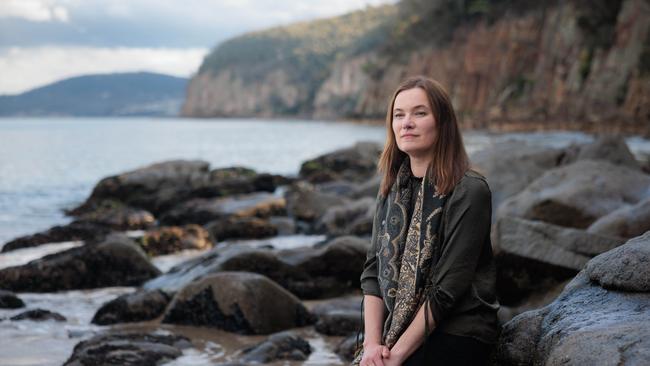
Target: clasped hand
x,y
378,355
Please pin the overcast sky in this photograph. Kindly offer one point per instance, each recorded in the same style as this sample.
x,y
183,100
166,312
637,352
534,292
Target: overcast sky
x,y
42,41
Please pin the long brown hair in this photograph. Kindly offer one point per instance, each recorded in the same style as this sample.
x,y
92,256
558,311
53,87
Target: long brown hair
x,y
449,158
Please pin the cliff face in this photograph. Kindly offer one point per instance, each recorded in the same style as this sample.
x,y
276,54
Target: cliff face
x,y
567,64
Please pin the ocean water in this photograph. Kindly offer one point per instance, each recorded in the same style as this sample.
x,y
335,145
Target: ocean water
x,y
47,165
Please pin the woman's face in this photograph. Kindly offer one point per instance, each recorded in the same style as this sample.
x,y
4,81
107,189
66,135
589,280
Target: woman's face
x,y
414,125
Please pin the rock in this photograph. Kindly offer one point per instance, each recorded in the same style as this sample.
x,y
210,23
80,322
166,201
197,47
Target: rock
x,y
39,315
172,239
369,188
588,324
138,306
626,222
610,148
348,347
160,186
626,268
118,216
76,230
117,261
356,163
279,346
203,210
128,349
339,317
238,302
8,300
241,228
154,187
512,165
334,268
352,218
533,256
578,194
306,203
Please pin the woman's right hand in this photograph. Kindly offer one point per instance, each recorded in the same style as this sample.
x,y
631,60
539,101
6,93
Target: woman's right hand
x,y
373,355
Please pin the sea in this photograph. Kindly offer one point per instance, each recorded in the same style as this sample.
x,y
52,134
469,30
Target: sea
x,y
51,164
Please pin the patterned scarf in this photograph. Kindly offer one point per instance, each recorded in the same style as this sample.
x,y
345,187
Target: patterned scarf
x,y
406,255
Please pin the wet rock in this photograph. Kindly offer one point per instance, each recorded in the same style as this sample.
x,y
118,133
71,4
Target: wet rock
x,y
279,346
513,165
138,306
117,261
128,349
238,302
627,222
626,268
241,228
8,300
533,256
578,194
118,216
369,188
352,218
172,239
76,230
306,203
39,315
203,210
588,324
356,163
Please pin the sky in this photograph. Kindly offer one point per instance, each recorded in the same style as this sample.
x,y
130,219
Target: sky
x,y
42,41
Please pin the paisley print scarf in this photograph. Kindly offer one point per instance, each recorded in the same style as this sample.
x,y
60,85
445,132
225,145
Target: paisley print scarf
x,y
407,250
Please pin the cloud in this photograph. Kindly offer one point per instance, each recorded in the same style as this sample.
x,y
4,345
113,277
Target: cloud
x,y
34,10
26,68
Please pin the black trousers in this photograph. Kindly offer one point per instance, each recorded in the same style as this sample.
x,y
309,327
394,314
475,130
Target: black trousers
x,y
442,349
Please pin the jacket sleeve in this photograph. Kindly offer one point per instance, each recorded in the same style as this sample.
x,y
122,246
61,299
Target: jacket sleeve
x,y
467,229
369,281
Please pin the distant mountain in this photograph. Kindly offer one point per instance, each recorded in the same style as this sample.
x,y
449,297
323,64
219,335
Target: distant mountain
x,y
123,94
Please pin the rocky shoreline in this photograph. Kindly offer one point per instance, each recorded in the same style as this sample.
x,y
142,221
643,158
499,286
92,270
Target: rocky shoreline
x,y
570,235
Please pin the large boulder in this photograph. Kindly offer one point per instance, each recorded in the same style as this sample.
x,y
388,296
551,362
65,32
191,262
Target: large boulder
x,y
240,302
118,261
627,222
339,317
512,165
128,349
356,163
306,202
203,210
333,267
588,324
578,194
158,187
533,256
279,346
610,148
76,230
135,307
352,218
172,239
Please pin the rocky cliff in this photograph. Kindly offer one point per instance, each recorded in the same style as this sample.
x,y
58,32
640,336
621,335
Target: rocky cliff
x,y
507,64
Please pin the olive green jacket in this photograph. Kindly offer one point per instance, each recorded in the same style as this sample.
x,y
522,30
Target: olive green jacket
x,y
464,298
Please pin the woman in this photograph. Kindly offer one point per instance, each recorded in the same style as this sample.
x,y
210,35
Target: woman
x,y
429,277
